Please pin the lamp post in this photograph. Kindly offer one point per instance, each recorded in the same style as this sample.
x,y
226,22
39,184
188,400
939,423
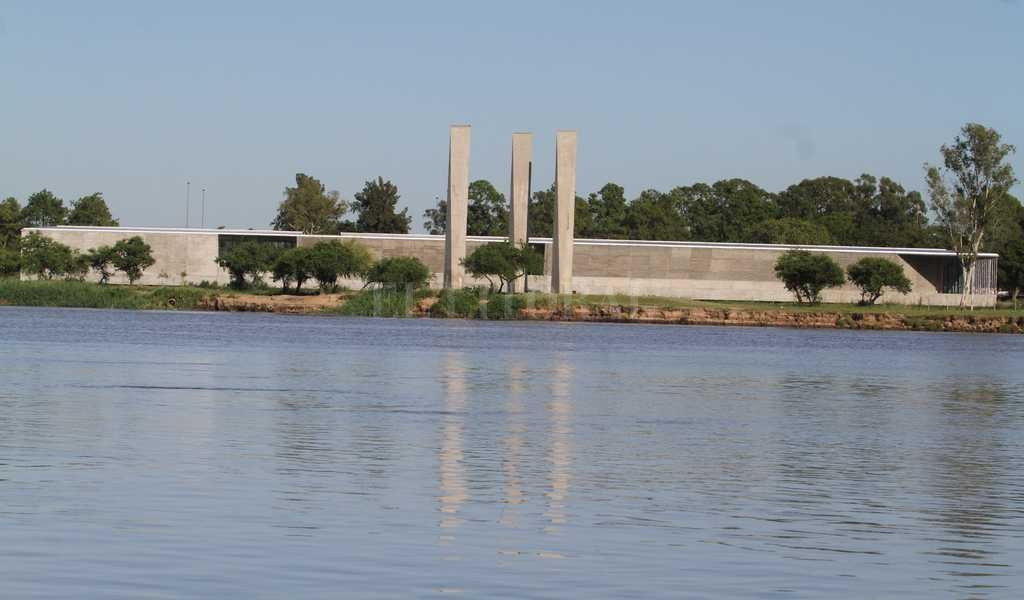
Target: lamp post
x,y
202,221
188,195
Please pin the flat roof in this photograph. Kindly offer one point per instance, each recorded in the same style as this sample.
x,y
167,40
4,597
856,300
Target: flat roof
x,y
535,240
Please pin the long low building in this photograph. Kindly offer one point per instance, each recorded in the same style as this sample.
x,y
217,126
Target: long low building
x,y
699,270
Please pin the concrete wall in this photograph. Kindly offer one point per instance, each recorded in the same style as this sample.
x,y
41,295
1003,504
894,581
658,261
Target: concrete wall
x,y
680,269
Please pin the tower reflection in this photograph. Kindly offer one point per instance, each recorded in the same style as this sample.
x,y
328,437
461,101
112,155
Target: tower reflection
x,y
453,489
560,449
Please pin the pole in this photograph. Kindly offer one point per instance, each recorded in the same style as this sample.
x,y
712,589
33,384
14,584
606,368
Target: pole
x,y
202,221
188,197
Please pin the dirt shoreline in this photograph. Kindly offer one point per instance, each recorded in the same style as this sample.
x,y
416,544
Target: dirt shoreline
x,y
776,317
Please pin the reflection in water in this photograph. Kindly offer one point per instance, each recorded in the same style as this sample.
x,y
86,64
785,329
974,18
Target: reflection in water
x,y
450,457
560,451
512,443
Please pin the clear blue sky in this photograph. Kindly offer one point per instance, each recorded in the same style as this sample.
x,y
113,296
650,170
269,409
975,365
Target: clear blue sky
x,y
134,98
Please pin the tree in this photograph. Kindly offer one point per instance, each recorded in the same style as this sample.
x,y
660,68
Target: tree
x,y
10,223
967,191
100,259
43,209
91,210
10,261
247,261
331,260
541,219
872,275
724,211
1011,269
501,260
885,214
487,212
132,256
789,231
806,274
376,204
402,272
656,216
436,222
310,208
293,265
45,258
607,213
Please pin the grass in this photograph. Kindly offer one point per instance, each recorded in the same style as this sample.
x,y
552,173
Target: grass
x,y
380,303
79,294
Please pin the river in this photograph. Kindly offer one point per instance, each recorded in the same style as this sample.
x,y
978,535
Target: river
x,y
207,455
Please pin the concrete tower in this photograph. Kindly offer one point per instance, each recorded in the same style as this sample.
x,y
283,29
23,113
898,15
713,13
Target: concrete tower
x,y
519,192
565,212
458,201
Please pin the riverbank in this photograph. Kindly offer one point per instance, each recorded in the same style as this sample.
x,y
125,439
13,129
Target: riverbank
x,y
472,304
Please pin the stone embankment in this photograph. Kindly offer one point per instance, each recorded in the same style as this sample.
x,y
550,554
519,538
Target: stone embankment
x,y
776,317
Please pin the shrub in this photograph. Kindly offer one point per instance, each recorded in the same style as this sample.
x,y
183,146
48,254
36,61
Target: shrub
x,y
504,307
334,259
806,274
457,303
398,273
45,258
100,260
293,265
503,261
872,275
247,262
132,256
379,303
10,262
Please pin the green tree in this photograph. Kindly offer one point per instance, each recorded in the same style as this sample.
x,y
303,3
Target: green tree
x,y
10,223
44,257
806,274
334,259
885,214
501,260
872,275
10,261
43,209
376,205
725,211
541,214
310,208
966,193
487,213
293,265
401,272
100,260
1011,269
91,210
789,231
656,216
132,256
247,261
436,219
607,213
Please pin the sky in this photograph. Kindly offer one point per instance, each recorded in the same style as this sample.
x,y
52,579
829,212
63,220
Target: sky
x,y
134,99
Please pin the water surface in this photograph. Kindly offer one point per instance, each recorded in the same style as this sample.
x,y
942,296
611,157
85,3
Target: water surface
x,y
181,455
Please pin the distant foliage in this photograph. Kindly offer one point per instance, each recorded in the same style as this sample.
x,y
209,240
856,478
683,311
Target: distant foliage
x,y
247,261
376,207
789,231
310,208
10,224
132,256
403,272
10,262
807,274
872,275
91,210
43,209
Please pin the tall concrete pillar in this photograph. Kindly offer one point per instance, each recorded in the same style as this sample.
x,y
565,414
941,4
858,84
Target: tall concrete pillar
x,y
565,212
519,192
458,201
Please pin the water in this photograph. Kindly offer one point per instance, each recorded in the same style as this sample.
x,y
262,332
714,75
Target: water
x,y
177,455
